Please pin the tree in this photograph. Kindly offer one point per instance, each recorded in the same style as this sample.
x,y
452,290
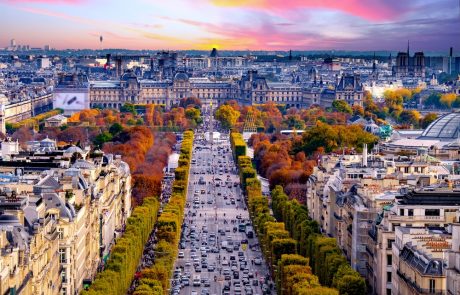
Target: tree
x,y
115,129
447,99
294,122
433,100
411,117
194,115
227,116
428,119
128,108
102,138
190,101
342,106
348,281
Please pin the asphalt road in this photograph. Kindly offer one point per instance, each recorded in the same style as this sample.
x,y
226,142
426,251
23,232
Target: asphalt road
x,y
215,209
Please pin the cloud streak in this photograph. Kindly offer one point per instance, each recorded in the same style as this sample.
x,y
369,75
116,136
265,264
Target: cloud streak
x,y
372,10
236,24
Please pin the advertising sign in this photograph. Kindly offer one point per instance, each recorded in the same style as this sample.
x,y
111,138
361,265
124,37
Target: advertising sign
x,y
71,101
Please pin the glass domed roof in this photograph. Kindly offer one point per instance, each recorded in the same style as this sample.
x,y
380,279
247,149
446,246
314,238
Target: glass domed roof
x,y
445,127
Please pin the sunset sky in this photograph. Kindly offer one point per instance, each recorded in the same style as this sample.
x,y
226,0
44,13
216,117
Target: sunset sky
x,y
232,24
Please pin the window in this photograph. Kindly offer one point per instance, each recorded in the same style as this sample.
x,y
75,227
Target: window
x,y
64,275
432,286
389,259
60,233
388,291
64,291
432,212
390,243
62,256
388,276
410,212
401,212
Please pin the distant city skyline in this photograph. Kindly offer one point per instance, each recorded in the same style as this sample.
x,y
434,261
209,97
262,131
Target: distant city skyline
x,y
430,25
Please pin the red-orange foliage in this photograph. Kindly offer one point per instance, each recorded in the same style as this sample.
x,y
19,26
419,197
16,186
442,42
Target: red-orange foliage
x,y
133,151
146,156
148,175
275,161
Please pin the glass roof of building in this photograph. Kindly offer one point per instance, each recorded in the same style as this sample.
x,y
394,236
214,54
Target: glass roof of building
x,y
445,127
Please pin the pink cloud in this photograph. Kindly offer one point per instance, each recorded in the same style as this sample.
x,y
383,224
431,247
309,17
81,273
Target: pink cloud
x,y
56,14
264,36
372,10
47,1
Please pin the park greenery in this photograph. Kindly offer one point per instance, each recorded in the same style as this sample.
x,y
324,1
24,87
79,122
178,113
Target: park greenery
x,y
396,108
289,160
34,122
291,241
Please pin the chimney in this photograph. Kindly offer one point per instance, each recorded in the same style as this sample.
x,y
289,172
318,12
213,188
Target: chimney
x,y
365,155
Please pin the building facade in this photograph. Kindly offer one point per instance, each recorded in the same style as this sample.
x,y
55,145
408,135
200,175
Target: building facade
x,y
59,217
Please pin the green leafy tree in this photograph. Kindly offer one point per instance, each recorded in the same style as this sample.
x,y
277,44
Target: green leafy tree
x,y
128,108
433,100
342,106
115,129
102,138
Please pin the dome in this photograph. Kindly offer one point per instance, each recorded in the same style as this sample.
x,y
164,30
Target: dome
x,y
181,77
82,164
445,127
74,149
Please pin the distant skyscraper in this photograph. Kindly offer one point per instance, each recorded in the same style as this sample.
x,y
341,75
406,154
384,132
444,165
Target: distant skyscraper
x,y
47,48
13,42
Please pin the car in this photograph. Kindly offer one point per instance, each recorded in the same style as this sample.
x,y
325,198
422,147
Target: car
x,y
257,261
181,254
225,263
194,293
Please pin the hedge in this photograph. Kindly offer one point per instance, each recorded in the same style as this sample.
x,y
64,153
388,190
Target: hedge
x,y
127,252
238,144
169,226
279,244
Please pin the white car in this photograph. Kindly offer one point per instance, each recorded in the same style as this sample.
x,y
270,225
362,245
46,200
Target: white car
x,y
181,255
257,261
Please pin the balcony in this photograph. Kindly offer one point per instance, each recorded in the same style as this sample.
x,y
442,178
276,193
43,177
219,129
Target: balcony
x,y
370,269
415,218
373,234
369,251
337,216
417,288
